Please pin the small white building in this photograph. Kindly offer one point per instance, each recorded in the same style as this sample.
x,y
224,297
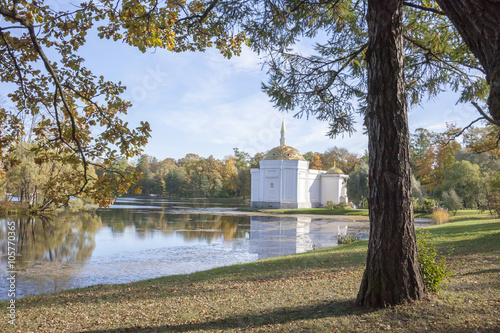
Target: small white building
x,y
284,180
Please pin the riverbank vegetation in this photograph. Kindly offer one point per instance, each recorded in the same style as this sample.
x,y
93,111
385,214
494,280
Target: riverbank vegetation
x,y
13,208
313,291
44,185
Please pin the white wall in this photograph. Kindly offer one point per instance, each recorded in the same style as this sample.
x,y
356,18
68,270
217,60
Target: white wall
x,y
314,187
333,186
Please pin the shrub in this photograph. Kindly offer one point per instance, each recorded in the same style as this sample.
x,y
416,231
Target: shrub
x,y
347,239
429,205
432,265
330,204
342,205
416,204
440,216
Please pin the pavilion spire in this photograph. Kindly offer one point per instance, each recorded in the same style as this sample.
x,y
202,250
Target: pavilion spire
x,y
282,140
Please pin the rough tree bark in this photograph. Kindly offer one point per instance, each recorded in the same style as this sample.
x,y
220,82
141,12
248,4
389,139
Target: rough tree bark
x,y
392,273
478,22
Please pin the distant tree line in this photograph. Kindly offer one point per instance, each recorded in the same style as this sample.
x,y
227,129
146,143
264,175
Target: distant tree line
x,y
45,184
195,176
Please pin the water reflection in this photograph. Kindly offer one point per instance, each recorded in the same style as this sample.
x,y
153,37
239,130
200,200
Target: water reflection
x,y
119,245
43,245
272,236
206,227
69,238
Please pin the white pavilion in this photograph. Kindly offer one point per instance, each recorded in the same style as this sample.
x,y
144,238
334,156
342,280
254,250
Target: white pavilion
x,y
284,180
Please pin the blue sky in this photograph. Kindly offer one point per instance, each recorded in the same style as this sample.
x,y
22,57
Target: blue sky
x,y
205,104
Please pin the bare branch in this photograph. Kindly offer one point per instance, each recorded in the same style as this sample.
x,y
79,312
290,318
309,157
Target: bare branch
x,y
428,9
453,137
16,65
481,111
202,16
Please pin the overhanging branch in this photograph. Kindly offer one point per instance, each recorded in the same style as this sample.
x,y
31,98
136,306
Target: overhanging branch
x,y
427,9
453,137
484,114
12,14
16,65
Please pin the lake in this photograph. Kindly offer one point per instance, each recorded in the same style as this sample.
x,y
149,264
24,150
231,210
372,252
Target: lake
x,y
143,238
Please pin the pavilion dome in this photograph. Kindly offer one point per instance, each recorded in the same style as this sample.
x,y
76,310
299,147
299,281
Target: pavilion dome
x,y
334,171
284,152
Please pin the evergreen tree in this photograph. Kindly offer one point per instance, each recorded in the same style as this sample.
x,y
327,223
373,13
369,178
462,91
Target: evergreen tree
x,y
357,185
176,182
477,23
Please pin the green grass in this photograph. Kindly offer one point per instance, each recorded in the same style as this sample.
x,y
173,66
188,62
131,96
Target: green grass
x,y
319,211
462,215
312,292
469,214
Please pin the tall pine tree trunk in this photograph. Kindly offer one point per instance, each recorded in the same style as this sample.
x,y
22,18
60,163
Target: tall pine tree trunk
x,y
392,273
478,22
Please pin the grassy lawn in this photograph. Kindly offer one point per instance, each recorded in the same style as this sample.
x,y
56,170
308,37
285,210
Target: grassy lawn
x,y
311,292
462,215
469,214
318,211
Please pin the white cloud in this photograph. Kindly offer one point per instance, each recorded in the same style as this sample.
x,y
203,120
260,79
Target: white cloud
x,y
249,123
247,61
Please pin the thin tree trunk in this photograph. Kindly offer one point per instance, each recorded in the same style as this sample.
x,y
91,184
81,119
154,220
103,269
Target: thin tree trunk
x,y
392,273
478,22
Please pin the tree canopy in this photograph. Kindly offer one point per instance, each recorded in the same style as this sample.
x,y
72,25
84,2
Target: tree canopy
x,y
75,115
477,23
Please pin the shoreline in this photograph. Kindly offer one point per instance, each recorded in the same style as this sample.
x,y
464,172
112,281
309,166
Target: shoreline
x,y
332,218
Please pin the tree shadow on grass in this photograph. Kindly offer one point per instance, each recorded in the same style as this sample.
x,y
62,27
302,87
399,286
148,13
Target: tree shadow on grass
x,y
484,271
458,229
254,320
484,244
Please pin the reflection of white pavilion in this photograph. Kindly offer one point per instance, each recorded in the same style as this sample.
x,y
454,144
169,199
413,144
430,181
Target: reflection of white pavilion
x,y
273,236
284,180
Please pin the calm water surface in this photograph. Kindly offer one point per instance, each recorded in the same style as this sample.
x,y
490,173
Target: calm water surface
x,y
138,239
